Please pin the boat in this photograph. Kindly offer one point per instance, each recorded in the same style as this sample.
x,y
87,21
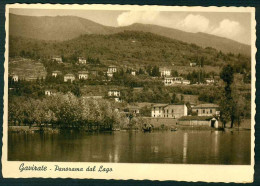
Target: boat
x,y
147,128
174,129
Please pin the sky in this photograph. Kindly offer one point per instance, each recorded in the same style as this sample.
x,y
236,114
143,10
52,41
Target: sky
x,y
232,25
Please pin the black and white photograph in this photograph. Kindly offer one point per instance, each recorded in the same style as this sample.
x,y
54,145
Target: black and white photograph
x,y
129,85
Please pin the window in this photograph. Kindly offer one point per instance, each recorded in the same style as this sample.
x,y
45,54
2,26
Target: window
x,y
153,115
210,111
172,110
203,111
197,111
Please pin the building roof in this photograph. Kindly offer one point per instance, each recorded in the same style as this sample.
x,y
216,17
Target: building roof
x,y
159,105
198,118
133,107
172,105
164,68
83,72
112,66
56,71
69,75
207,105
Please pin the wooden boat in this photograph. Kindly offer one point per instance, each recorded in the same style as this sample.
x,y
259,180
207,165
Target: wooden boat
x,y
147,128
174,129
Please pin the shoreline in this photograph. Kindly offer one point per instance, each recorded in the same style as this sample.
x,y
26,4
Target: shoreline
x,y
27,129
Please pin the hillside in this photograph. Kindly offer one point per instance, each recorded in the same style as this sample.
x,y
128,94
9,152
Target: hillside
x,y
63,28
126,48
27,69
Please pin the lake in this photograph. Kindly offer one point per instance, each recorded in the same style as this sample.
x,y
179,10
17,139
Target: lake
x,y
180,147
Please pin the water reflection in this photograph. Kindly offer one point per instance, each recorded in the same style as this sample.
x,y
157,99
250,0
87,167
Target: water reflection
x,y
192,147
185,147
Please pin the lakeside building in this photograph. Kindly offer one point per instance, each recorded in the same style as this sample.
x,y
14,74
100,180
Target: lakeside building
x,y
134,109
82,60
57,59
193,64
111,70
56,73
83,75
164,71
206,110
198,121
169,110
69,78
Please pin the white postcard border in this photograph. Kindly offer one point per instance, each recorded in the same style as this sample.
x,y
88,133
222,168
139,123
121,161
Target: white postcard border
x,y
124,171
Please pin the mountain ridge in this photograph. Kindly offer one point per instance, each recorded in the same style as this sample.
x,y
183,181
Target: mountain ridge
x,y
61,28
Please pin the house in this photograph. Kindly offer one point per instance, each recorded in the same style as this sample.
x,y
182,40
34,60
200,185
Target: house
x,y
133,72
209,80
169,81
15,78
134,109
113,93
56,73
208,109
83,75
186,82
177,80
57,59
111,69
82,60
169,110
207,121
165,71
193,64
49,92
69,78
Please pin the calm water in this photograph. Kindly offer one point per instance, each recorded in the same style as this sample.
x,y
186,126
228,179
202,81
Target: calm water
x,y
193,147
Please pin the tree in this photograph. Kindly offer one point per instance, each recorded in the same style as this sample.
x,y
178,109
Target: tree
x,y
227,104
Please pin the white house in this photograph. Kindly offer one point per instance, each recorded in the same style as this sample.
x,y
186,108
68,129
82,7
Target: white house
x,y
56,73
169,110
114,93
133,72
169,81
111,69
193,64
83,75
177,80
57,59
165,71
49,92
69,78
82,60
186,82
209,80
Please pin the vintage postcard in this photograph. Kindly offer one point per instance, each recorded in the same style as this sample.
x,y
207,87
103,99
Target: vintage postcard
x,y
129,92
